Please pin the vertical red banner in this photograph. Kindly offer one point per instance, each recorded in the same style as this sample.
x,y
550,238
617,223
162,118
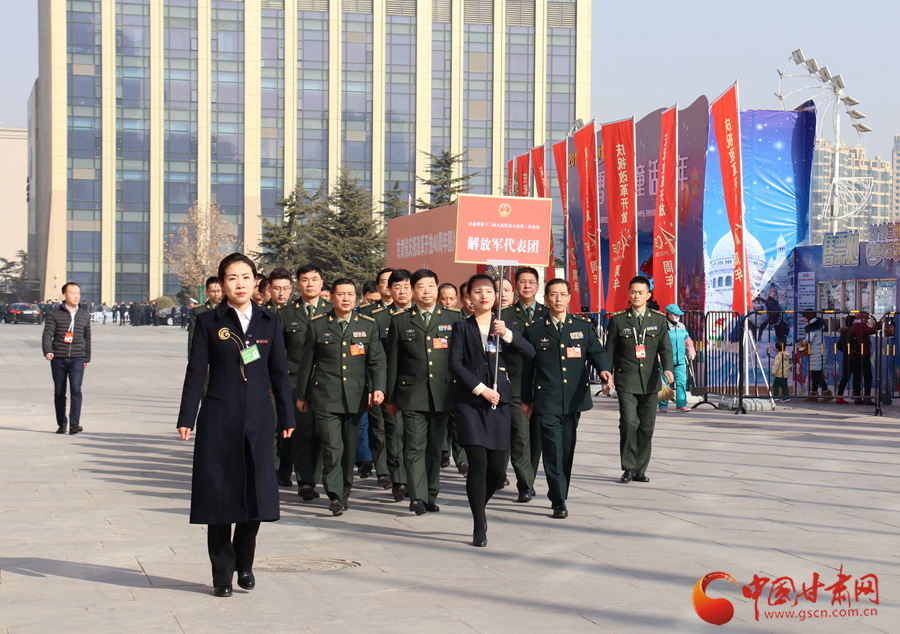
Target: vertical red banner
x,y
542,190
560,160
665,256
523,173
510,177
727,126
585,148
618,150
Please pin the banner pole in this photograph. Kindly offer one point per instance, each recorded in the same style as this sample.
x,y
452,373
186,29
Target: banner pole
x,y
677,202
746,267
633,176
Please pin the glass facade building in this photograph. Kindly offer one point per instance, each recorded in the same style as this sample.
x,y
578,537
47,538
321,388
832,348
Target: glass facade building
x,y
144,107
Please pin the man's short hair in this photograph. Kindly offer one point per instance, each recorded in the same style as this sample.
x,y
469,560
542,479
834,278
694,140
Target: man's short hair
x,y
464,288
382,272
555,282
211,280
423,274
527,269
263,285
342,281
639,279
309,268
280,274
447,285
370,287
399,275
68,284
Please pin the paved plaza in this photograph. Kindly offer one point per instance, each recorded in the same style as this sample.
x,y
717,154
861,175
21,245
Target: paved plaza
x,y
94,532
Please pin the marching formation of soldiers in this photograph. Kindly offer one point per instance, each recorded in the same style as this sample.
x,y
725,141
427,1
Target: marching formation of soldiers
x,y
384,354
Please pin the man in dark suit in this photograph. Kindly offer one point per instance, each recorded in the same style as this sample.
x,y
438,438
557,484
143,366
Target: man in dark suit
x,y
386,429
214,297
555,385
341,373
634,339
525,433
421,386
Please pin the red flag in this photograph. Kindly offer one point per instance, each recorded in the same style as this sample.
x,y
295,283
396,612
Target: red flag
x,y
618,151
560,159
541,190
664,242
727,126
523,174
585,150
510,178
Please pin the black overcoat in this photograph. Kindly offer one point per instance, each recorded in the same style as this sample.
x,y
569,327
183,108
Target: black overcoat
x,y
233,476
470,364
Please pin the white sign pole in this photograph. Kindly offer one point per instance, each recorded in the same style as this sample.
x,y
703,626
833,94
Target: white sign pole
x,y
502,264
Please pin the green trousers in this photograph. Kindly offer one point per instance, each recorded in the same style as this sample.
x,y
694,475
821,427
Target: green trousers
x,y
393,446
451,444
306,449
339,434
377,439
637,417
524,446
424,435
558,437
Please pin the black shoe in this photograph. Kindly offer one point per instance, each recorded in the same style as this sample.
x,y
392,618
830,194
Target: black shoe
x,y
336,506
385,482
417,507
505,483
432,508
61,430
285,483
479,536
532,493
222,591
628,476
858,401
307,492
399,491
246,580
75,430
365,469
560,512
640,477
445,459
346,506
463,468
524,496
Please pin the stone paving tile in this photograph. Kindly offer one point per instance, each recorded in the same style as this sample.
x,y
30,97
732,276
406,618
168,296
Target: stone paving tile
x,y
96,539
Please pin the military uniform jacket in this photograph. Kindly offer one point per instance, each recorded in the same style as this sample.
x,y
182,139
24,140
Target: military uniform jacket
x,y
633,375
338,370
368,309
419,378
515,364
196,311
233,478
556,380
295,327
322,306
382,317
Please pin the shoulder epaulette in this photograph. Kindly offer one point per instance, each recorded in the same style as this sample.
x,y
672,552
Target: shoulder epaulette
x,y
366,317
658,312
452,310
319,316
400,311
618,312
580,318
378,310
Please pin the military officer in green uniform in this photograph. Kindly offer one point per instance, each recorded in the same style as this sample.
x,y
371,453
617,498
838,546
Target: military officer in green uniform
x,y
525,433
213,298
382,282
421,386
634,338
307,450
555,385
294,325
341,373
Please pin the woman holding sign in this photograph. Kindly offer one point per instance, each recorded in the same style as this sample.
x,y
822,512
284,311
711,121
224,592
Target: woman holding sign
x,y
478,351
241,346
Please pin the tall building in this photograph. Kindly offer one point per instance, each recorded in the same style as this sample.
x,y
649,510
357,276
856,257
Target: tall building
x,y
895,185
854,164
144,106
13,192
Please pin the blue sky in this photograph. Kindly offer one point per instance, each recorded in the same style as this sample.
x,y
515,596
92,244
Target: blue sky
x,y
652,53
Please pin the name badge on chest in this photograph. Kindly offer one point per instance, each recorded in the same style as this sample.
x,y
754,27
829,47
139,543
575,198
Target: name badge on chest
x,y
440,343
250,354
573,352
69,338
640,351
357,349
491,346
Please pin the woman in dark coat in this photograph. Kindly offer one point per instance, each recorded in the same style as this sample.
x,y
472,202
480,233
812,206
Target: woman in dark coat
x,y
482,413
233,479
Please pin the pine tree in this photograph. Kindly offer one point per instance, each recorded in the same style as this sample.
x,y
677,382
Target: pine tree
x,y
282,243
344,238
393,205
445,188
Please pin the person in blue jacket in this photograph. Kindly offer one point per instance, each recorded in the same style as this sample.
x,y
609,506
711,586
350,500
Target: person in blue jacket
x,y
683,353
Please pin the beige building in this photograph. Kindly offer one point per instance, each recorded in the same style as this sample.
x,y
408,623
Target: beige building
x,y
895,187
144,106
13,191
854,164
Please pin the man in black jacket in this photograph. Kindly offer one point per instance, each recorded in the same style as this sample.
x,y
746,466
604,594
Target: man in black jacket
x,y
66,344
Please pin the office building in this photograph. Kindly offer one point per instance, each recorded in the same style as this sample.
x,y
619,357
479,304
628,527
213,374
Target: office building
x,y
13,192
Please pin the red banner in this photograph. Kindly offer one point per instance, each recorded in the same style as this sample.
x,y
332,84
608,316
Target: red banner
x,y
542,190
664,254
524,175
560,160
502,228
586,152
618,151
510,178
726,124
